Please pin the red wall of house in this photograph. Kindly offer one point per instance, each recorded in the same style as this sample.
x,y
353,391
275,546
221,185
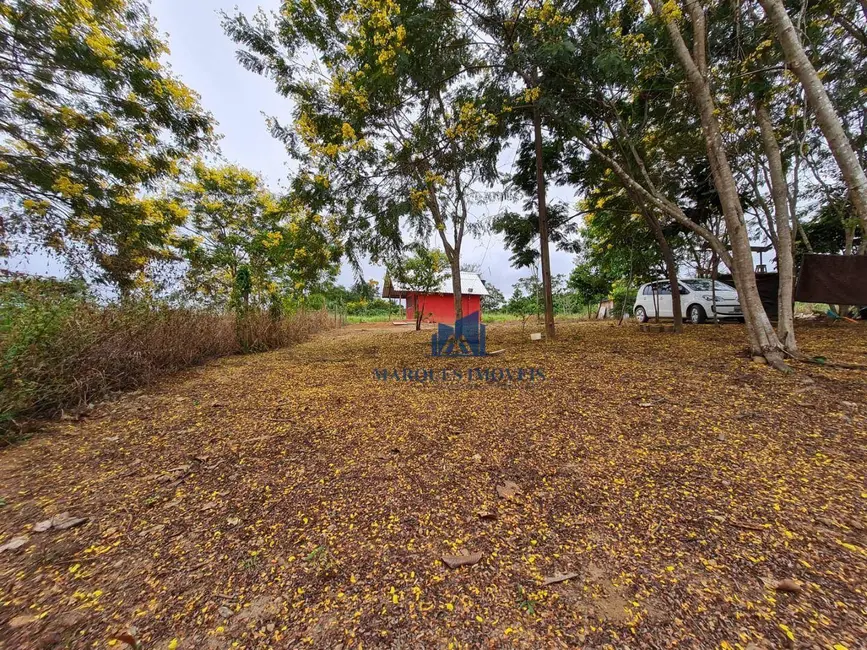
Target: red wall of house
x,y
440,307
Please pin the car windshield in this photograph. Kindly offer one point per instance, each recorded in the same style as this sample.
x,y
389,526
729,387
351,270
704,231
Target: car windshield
x,y
701,284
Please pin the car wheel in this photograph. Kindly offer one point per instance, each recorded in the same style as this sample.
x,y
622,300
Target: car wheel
x,y
640,315
696,314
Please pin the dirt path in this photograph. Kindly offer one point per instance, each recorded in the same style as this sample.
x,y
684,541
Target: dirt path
x,y
291,499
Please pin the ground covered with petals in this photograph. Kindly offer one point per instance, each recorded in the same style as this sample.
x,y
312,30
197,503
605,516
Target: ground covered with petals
x,y
644,491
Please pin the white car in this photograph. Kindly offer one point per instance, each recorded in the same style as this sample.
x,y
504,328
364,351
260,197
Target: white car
x,y
696,301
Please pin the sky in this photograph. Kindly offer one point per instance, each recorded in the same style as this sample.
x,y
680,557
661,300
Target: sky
x,y
203,57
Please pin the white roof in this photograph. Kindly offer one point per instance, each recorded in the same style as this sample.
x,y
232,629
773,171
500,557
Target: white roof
x,y
471,284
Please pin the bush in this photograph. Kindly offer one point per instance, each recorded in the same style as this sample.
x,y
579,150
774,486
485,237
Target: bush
x,y
375,307
315,301
623,298
60,349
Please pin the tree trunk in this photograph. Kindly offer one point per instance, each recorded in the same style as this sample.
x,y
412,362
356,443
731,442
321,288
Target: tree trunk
x,y
455,264
543,225
763,339
785,259
670,267
667,255
826,115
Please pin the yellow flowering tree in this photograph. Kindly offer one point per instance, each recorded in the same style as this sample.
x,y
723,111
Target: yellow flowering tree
x,y
236,225
91,120
398,139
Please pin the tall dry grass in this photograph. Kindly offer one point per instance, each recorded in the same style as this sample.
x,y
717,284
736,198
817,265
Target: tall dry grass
x,y
60,349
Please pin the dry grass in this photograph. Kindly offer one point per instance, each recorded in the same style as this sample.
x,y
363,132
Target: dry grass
x,y
61,352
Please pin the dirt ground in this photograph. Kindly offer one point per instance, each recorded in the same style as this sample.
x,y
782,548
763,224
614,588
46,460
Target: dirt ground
x,y
292,499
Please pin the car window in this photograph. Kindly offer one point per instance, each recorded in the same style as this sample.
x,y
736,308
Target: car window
x,y
702,284
683,290
665,288
648,290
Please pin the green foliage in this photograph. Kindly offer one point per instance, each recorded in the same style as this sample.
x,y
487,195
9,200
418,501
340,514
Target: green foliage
x,y
835,228
623,296
494,301
423,271
522,305
315,301
521,233
589,283
375,307
242,284
91,120
236,223
395,136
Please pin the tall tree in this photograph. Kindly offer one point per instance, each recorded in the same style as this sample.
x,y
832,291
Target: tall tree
x,y
695,63
826,115
397,138
91,121
518,38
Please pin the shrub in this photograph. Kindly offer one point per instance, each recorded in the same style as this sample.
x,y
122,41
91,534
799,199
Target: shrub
x,y
315,301
375,307
624,299
60,349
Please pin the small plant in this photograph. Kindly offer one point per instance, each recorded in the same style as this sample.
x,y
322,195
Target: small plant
x,y
250,563
316,553
526,601
323,560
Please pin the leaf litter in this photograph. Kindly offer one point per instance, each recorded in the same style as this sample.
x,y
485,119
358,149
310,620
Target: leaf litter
x,y
617,523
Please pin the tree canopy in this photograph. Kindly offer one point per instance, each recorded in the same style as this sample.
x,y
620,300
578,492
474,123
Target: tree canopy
x,y
92,121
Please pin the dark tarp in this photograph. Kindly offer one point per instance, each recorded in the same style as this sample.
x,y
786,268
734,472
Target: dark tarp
x,y
768,285
833,279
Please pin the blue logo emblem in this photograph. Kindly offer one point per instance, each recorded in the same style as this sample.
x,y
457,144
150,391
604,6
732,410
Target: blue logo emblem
x,y
465,339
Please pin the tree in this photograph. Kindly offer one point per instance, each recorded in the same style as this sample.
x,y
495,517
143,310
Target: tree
x,y
421,273
695,64
495,299
236,224
91,122
519,39
395,139
589,284
826,115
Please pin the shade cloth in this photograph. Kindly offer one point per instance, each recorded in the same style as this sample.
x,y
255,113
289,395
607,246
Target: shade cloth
x,y
833,279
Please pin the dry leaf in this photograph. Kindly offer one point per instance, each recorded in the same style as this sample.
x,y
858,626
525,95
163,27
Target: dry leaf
x,y
129,639
558,577
64,521
42,526
14,543
21,621
455,561
508,490
789,586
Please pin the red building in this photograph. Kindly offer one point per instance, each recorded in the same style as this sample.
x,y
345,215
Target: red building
x,y
439,307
